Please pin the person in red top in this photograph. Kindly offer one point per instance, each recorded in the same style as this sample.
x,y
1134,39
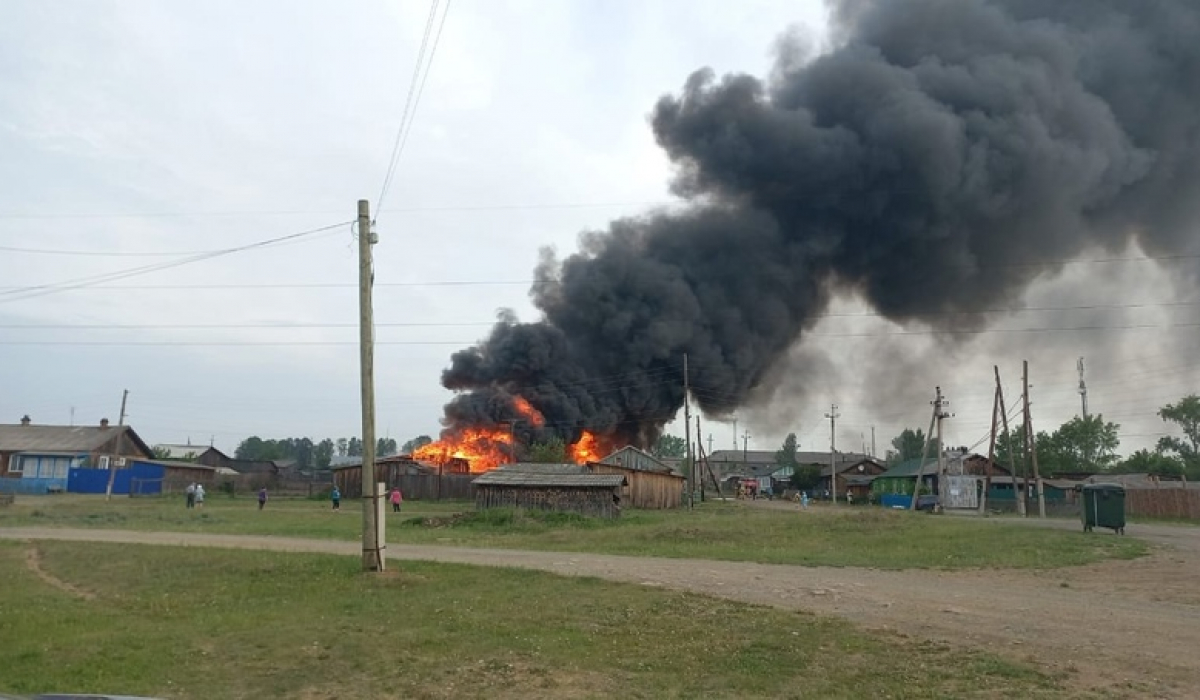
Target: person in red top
x,y
397,498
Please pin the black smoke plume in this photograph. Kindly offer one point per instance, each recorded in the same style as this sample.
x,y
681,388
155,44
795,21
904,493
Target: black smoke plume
x,y
933,161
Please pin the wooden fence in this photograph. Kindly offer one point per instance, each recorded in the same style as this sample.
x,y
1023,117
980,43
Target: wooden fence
x,y
1164,503
415,487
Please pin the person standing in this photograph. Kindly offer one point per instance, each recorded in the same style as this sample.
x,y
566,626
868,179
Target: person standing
x,y
397,498
262,497
336,497
199,495
191,495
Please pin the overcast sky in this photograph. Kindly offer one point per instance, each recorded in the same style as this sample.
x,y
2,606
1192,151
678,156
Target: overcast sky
x,y
135,128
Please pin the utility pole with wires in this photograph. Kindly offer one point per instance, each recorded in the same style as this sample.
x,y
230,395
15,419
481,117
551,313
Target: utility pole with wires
x,y
987,480
833,415
925,453
113,463
735,433
699,456
710,441
1082,390
1031,440
687,436
1012,459
372,527
872,442
745,447
943,487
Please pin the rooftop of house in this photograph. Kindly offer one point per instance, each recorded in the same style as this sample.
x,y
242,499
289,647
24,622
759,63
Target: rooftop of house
x,y
27,437
768,457
634,458
180,449
175,464
504,477
540,468
909,467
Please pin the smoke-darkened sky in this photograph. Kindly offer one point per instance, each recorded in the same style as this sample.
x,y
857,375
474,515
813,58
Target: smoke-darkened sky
x,y
934,164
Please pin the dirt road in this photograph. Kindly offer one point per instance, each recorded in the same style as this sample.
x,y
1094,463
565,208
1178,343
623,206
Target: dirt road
x,y
1132,627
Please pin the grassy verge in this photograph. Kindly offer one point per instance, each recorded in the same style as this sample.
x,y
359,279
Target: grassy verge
x,y
198,623
870,537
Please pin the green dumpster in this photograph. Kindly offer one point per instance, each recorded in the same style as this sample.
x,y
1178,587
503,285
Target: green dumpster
x,y
1103,505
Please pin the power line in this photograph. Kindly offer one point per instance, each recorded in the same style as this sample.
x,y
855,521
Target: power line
x,y
215,326
20,293
325,212
416,88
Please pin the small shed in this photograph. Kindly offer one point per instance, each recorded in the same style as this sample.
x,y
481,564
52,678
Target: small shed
x,y
595,495
651,484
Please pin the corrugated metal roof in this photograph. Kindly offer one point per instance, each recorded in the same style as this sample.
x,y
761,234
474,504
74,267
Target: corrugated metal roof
x,y
57,438
502,477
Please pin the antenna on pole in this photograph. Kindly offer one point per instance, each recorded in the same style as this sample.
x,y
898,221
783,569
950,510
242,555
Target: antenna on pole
x,y
1082,389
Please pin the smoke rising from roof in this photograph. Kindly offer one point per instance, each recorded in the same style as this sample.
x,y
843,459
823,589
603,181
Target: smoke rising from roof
x,y
931,163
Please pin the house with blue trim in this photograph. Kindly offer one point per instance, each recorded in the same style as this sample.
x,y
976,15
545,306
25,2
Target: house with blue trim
x,y
40,458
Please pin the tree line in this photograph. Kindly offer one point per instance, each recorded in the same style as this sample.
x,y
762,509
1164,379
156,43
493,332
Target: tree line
x,y
1086,445
307,453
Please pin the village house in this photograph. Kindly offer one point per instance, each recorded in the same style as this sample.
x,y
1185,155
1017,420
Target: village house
x,y
39,458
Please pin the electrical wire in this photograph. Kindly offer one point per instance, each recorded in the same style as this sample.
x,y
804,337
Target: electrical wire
x,y
416,87
21,293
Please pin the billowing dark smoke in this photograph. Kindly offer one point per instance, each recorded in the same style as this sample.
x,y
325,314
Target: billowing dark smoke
x,y
927,163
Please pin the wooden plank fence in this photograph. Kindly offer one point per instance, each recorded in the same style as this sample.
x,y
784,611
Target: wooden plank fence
x,y
1164,503
415,487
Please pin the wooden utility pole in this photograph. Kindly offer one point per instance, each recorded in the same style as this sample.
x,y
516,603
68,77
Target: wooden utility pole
x,y
1012,461
699,456
943,486
1032,441
924,453
987,481
120,448
687,436
832,416
372,530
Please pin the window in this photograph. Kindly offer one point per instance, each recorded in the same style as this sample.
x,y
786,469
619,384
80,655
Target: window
x,y
14,464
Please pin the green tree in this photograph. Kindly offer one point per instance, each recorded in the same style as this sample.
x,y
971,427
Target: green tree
x,y
354,447
161,453
323,455
255,448
785,456
341,446
385,447
909,444
414,444
1147,462
669,446
551,451
1080,444
1185,414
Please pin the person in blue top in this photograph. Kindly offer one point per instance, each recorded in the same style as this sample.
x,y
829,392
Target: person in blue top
x,y
336,497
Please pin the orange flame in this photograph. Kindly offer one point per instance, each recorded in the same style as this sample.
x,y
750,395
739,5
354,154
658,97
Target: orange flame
x,y
528,412
483,448
587,449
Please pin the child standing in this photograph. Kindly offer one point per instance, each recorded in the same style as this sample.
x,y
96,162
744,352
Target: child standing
x,y
336,497
397,498
262,497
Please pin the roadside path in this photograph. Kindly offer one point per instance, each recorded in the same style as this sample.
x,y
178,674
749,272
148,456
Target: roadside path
x,y
1133,626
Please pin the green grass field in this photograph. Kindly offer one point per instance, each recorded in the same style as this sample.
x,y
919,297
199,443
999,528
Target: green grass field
x,y
185,623
870,537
